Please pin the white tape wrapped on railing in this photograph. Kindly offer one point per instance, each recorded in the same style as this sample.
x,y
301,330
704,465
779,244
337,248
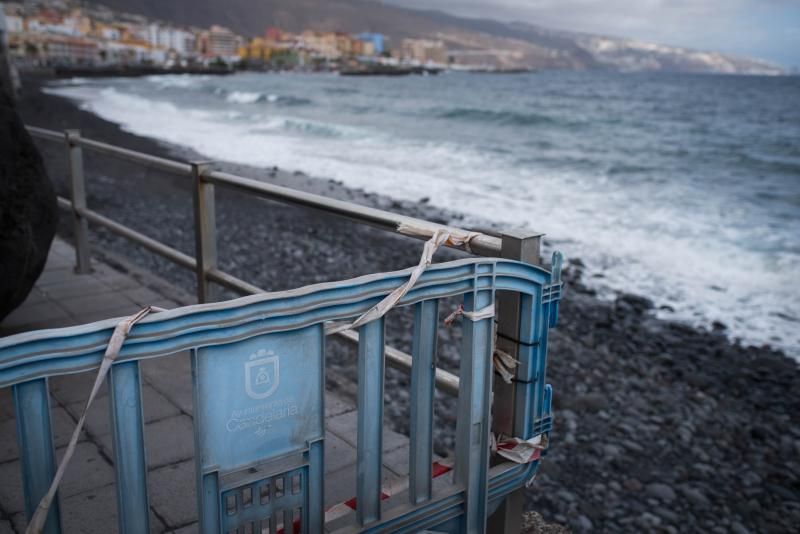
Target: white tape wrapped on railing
x,y
438,237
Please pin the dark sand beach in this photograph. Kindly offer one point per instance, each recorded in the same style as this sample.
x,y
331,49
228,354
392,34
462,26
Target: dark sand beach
x,y
658,426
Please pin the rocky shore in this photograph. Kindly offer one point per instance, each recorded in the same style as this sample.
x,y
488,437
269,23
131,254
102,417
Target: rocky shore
x,y
658,426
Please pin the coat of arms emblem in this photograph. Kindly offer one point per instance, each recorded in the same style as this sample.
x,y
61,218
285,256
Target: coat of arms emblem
x,y
261,374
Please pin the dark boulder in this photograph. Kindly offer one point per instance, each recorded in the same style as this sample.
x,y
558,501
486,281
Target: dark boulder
x,y
28,210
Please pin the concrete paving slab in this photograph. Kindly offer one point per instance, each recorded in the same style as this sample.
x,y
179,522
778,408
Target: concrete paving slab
x,y
172,493
8,443
49,277
78,285
335,405
87,470
58,261
98,420
18,521
36,296
143,296
338,453
11,488
194,528
69,389
346,427
35,313
95,511
166,441
63,426
169,440
6,404
172,377
340,486
81,306
115,280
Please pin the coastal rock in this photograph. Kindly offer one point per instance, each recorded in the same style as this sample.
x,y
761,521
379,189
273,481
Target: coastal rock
x,y
661,492
28,210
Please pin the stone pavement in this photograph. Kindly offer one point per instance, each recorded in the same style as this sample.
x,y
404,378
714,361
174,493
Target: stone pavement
x,y
88,495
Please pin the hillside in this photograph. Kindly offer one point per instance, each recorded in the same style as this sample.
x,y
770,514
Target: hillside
x,y
507,45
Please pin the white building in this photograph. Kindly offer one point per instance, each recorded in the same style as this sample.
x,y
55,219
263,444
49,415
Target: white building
x,y
14,24
168,38
109,33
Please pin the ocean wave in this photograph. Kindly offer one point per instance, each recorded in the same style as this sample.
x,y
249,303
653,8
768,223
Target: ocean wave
x,y
514,118
75,80
292,100
278,125
783,165
341,90
252,97
245,97
180,81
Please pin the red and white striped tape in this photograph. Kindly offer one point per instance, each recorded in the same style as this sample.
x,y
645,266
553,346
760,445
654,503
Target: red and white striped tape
x,y
342,509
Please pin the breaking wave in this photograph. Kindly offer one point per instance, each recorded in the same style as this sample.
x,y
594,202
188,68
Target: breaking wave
x,y
513,118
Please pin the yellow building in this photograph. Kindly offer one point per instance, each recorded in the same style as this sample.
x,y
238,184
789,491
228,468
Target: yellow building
x,y
257,50
322,44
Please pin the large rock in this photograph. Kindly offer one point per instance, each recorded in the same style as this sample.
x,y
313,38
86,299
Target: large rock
x,y
28,210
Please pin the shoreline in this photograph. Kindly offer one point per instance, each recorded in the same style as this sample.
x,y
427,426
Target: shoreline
x,y
641,403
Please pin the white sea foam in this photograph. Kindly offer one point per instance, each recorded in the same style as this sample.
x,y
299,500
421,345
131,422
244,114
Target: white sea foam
x,y
75,80
633,241
182,81
244,97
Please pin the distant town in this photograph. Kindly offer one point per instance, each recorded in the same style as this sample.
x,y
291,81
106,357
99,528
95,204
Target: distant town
x,y
69,36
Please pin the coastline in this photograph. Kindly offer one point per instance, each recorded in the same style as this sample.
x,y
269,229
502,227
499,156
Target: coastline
x,y
657,424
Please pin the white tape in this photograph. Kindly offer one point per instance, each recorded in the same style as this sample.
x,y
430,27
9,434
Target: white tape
x,y
477,315
379,310
518,450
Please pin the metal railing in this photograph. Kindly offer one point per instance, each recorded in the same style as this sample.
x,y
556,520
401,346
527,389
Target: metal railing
x,y
517,245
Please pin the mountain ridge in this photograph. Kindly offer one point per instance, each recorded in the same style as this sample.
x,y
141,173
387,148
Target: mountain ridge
x,y
477,41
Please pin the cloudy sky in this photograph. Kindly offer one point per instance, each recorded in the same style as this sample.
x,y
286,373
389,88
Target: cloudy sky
x,y
766,29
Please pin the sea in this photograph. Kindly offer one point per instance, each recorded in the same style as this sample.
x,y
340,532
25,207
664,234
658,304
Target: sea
x,y
682,188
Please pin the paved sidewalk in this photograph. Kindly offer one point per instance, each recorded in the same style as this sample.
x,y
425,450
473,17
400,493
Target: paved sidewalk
x,y
88,495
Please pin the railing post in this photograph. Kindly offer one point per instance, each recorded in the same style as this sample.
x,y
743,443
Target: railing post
x,y
77,181
205,231
525,246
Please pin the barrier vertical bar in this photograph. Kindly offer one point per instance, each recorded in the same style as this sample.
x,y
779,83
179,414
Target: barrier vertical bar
x,y
370,421
38,458
314,512
77,183
423,368
205,229
524,246
472,427
127,423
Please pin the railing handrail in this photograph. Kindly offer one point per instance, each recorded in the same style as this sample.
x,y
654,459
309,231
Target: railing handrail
x,y
481,244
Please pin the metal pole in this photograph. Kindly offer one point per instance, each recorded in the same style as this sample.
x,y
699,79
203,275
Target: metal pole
x,y
525,246
205,231
77,181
